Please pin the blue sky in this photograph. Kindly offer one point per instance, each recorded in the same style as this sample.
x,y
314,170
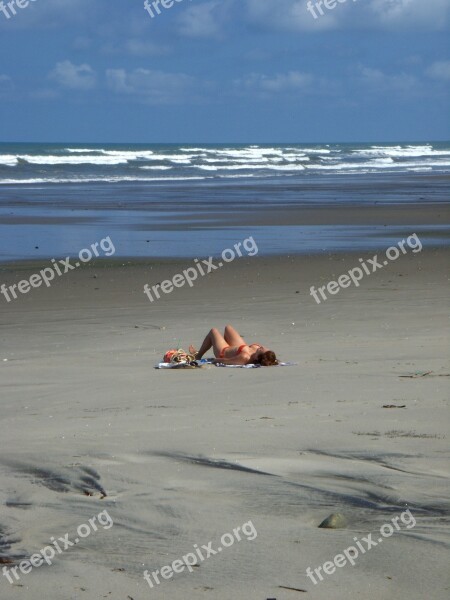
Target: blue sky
x,y
225,71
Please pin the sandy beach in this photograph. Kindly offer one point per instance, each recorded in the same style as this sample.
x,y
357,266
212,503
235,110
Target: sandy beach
x,y
179,458
171,170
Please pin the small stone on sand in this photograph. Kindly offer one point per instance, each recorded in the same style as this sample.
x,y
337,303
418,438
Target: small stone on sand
x,y
334,521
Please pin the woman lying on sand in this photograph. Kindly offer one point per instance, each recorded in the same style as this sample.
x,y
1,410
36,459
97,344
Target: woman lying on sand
x,y
231,349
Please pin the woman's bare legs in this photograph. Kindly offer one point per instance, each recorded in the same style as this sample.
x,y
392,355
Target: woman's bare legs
x,y
232,337
214,340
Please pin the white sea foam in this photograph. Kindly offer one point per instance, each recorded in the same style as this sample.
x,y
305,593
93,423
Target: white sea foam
x,y
94,180
155,168
264,161
250,152
240,176
72,160
314,150
434,163
10,160
401,151
258,152
380,163
250,167
105,158
83,150
419,169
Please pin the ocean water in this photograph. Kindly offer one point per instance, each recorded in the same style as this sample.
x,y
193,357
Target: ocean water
x,y
187,200
60,163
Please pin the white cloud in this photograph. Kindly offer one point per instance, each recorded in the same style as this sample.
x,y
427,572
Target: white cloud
x,y
380,82
290,15
294,15
407,14
283,82
74,77
203,20
50,13
440,70
153,87
292,84
6,84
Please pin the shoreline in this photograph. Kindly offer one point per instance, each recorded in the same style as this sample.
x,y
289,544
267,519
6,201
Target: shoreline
x,y
433,236
285,218
117,261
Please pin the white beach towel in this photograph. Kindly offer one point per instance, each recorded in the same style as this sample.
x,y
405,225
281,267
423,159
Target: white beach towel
x,y
208,361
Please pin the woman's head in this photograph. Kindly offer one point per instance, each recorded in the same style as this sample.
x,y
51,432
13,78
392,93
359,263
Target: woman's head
x,y
267,359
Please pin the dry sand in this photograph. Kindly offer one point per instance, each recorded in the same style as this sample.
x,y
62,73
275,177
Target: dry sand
x,y
185,457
